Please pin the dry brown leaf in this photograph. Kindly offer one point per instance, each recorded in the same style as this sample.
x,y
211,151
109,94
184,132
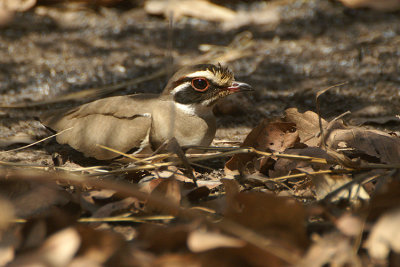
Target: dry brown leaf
x,y
350,225
374,143
285,166
330,250
160,238
385,235
114,208
168,188
272,136
7,213
326,183
29,198
382,5
200,9
8,242
202,240
387,198
88,198
279,218
177,260
210,184
57,250
306,124
101,246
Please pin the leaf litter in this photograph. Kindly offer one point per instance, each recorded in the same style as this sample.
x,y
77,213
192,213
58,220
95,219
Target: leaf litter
x,y
167,218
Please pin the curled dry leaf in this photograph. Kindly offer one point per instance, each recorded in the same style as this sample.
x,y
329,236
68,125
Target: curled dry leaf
x,y
385,235
373,143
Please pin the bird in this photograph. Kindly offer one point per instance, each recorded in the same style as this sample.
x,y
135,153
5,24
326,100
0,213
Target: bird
x,y
143,122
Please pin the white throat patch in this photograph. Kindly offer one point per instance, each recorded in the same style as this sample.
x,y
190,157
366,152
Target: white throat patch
x,y
194,109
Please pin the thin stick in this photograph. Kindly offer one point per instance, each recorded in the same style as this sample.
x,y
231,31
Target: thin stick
x,y
37,142
319,109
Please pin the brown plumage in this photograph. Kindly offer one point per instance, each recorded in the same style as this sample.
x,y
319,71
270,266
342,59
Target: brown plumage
x,y
142,121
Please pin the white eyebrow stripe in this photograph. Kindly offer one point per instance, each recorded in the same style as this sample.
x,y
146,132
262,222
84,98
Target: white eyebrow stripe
x,y
180,87
203,73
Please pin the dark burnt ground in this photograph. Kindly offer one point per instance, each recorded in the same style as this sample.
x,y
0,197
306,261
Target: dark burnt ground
x,y
51,51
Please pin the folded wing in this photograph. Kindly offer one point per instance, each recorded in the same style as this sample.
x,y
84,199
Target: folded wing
x,y
122,123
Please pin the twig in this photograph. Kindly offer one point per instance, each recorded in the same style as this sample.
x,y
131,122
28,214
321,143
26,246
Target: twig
x,y
37,142
318,106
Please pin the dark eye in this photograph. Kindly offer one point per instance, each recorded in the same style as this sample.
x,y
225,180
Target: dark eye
x,y
200,84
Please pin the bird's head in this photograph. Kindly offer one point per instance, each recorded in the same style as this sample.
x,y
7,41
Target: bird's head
x,y
203,84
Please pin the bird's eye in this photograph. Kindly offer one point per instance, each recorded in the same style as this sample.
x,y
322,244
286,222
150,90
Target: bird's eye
x,y
200,84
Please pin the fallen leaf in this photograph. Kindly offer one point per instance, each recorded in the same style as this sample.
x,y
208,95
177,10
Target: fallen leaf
x,y
103,246
374,143
57,250
170,190
161,238
285,166
350,225
330,250
201,240
29,198
385,199
307,125
326,183
385,235
279,218
7,213
115,208
267,136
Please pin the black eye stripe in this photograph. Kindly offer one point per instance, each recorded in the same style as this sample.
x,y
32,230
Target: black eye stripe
x,y
189,80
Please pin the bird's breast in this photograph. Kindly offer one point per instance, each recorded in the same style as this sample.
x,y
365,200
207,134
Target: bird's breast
x,y
169,121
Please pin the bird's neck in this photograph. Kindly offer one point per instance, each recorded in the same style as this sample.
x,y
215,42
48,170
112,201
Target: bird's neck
x,y
195,109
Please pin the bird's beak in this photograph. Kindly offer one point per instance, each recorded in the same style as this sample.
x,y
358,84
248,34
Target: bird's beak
x,y
239,87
